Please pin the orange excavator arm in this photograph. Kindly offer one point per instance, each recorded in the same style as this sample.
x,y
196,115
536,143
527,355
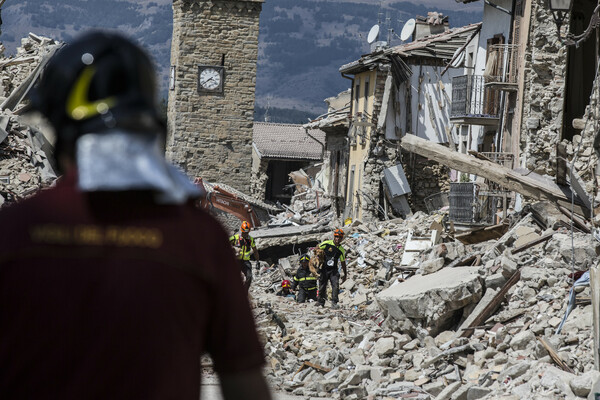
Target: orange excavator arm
x,y
228,202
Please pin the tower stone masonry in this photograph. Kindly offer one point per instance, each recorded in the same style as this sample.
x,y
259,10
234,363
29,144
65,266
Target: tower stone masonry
x,y
210,134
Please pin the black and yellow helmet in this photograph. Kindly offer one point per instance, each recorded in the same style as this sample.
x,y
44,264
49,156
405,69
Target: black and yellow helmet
x,y
98,82
304,258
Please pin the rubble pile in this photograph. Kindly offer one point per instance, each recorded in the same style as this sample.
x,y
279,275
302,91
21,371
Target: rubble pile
x,y
15,70
24,165
306,208
24,150
458,322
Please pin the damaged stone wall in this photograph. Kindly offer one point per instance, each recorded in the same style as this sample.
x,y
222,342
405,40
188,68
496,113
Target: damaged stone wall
x,y
258,180
545,71
210,135
425,177
382,155
582,146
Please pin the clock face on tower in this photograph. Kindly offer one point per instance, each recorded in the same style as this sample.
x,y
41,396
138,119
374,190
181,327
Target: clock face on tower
x,y
210,79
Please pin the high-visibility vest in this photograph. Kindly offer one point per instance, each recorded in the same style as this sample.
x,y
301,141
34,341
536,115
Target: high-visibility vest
x,y
333,253
305,280
245,246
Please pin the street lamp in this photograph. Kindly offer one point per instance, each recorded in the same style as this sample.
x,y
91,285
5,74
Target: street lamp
x,y
560,9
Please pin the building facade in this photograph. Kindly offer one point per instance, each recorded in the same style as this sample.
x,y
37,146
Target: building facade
x,y
214,52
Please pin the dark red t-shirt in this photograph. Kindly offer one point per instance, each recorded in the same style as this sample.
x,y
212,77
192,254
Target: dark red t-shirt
x,y
110,296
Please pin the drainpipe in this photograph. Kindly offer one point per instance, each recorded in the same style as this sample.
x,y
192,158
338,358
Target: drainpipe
x,y
347,141
503,95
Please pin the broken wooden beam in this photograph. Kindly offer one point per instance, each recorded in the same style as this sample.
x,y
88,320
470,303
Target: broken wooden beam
x,y
455,350
527,245
492,305
555,356
484,234
578,222
311,365
506,177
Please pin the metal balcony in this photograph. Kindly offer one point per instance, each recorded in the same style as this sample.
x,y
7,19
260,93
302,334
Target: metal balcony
x,y
472,102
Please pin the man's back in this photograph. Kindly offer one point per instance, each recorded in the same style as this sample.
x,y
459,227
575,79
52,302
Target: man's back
x,y
108,295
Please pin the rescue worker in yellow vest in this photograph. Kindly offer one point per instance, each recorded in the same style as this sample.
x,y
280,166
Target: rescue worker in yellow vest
x,y
334,252
305,282
245,246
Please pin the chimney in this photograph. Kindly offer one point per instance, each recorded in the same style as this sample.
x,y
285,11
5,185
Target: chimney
x,y
433,24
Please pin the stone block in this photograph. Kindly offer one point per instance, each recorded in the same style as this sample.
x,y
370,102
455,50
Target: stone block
x,y
582,385
401,339
384,346
557,380
533,276
461,393
378,374
509,266
444,337
411,375
477,392
431,266
448,391
433,299
514,371
434,388
358,391
327,385
533,123
522,340
495,281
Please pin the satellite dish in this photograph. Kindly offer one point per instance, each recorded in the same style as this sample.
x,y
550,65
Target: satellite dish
x,y
407,29
457,58
373,34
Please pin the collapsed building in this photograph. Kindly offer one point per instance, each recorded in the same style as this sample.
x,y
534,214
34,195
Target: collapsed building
x,y
431,313
25,143
428,311
449,304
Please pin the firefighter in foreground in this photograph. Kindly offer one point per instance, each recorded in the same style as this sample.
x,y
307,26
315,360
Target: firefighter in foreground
x,y
245,246
334,253
112,283
305,282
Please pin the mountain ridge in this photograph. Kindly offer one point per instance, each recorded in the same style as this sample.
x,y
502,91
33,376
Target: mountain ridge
x,y
302,44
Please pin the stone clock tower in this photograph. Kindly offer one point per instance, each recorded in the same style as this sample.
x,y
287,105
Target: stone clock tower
x,y
211,90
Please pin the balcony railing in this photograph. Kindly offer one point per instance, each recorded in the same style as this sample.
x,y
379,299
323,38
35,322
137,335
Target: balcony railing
x,y
502,64
472,99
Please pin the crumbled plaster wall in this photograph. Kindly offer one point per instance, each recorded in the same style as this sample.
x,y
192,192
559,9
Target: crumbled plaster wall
x,y
545,69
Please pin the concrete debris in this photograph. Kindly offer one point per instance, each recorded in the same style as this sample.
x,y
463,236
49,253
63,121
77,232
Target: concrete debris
x,y
25,166
399,330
